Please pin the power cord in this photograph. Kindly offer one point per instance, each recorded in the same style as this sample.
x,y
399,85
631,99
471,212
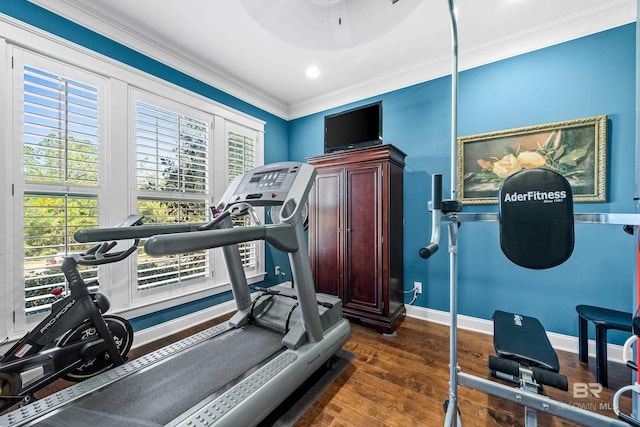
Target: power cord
x,y
415,294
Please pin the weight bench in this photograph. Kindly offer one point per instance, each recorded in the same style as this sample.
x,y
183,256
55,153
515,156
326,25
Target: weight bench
x,y
525,355
536,232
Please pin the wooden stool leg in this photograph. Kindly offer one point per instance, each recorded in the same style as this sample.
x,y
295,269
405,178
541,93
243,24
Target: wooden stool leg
x,y
583,339
601,356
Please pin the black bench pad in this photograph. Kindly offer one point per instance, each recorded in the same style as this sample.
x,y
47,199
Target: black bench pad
x,y
523,339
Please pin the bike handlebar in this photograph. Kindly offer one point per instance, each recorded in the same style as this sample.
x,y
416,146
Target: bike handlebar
x,y
101,255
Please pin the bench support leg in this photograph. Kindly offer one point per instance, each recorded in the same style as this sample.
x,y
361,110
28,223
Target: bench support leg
x,y
583,340
601,356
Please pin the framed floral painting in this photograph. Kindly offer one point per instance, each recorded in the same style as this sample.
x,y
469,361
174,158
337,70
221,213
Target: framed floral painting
x,y
577,149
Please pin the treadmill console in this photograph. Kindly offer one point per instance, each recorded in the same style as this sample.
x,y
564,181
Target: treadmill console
x,y
266,185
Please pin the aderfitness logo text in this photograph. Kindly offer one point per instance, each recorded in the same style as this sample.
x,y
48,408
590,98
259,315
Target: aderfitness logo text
x,y
543,196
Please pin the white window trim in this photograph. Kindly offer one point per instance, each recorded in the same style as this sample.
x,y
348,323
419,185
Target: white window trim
x,y
192,286
21,56
243,130
7,258
119,78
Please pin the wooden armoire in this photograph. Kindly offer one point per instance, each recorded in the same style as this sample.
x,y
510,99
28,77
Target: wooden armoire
x,y
355,233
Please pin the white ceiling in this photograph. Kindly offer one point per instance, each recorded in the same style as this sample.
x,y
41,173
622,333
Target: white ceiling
x,y
258,50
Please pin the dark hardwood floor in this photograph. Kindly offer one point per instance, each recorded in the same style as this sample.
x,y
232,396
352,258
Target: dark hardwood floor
x,y
403,381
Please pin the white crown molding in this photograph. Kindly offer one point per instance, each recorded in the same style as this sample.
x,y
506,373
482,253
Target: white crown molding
x,y
88,18
408,75
600,17
595,18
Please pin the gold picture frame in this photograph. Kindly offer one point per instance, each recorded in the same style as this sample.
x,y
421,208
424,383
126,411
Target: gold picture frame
x,y
577,149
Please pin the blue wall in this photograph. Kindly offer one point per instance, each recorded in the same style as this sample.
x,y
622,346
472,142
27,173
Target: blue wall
x,y
590,76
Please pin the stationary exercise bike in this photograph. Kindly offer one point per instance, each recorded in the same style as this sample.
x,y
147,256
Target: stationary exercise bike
x,y
75,341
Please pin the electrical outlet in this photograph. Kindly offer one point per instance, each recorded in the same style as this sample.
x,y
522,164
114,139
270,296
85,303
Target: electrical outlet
x,y
277,272
418,287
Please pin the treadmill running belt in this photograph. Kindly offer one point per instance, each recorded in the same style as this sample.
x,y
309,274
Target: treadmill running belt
x,y
156,396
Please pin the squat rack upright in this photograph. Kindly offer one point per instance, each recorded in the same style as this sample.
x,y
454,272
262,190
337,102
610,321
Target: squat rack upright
x,y
453,218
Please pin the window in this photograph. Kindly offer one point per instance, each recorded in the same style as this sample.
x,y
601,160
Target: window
x,y
60,129
61,132
96,143
161,271
172,151
241,157
172,162
50,220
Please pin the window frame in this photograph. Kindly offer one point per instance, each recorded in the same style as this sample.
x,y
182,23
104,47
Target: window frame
x,y
115,281
20,187
195,285
255,246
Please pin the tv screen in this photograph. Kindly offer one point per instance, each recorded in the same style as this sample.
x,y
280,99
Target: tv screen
x,y
358,127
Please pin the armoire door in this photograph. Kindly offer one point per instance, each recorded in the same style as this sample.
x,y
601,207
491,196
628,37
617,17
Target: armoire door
x,y
363,222
325,239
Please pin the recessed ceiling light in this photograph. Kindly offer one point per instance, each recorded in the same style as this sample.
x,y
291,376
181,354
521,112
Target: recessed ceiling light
x,y
313,72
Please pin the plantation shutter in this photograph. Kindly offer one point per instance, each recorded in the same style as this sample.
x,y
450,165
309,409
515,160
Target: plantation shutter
x,y
61,122
61,129
171,151
241,157
172,175
49,224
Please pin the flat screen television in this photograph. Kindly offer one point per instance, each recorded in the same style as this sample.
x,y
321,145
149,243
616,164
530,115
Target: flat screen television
x,y
355,128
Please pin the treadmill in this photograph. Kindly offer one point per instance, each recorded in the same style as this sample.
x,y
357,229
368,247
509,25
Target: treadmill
x,y
235,373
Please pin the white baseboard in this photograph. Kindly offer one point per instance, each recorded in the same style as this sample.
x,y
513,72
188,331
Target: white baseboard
x,y
558,341
145,336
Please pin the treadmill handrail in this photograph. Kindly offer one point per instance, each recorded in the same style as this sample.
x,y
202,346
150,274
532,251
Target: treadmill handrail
x,y
138,232
282,236
144,231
